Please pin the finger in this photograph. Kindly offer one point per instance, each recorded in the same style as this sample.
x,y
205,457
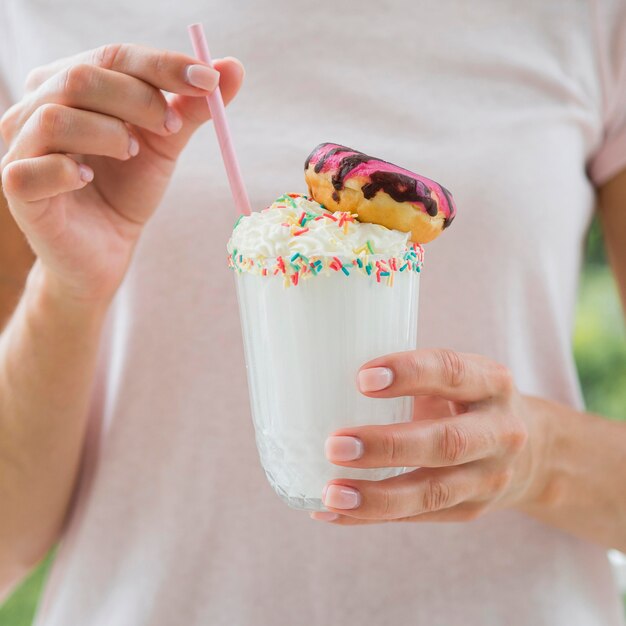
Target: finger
x,y
39,75
30,180
341,520
95,89
430,407
425,443
452,375
415,493
164,69
195,111
465,512
55,128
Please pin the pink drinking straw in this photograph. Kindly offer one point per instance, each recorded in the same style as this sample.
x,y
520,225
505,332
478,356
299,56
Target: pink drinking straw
x,y
216,107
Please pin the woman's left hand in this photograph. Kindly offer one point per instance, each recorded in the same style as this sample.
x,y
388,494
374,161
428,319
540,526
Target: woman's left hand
x,y
477,444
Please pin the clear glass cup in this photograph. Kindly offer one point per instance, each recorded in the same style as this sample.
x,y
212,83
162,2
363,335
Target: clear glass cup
x,y
304,345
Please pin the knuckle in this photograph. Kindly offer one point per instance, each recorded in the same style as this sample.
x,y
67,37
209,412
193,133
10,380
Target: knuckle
x,y
504,379
34,78
386,504
451,444
14,179
394,447
153,99
52,119
6,160
500,480
8,120
109,55
516,439
453,367
7,178
77,79
436,495
6,125
161,63
416,366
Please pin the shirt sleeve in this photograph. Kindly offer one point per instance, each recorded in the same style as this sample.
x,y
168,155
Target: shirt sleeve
x,y
610,30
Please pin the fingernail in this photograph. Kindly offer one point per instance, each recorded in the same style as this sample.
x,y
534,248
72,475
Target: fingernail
x,y
86,173
324,516
202,76
133,146
375,378
173,121
340,497
343,448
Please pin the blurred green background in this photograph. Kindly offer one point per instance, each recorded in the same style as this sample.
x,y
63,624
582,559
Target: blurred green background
x,y
600,336
600,349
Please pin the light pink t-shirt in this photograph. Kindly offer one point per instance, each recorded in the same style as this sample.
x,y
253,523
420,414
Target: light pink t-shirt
x,y
511,105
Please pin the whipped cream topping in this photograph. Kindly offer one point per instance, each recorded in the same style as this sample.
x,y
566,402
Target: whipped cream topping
x,y
297,224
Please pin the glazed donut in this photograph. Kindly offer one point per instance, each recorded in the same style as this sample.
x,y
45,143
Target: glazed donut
x,y
343,179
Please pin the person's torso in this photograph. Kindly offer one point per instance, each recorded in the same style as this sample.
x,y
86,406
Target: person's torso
x,y
174,521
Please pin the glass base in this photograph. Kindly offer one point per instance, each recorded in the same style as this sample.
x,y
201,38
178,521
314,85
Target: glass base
x,y
300,502
304,504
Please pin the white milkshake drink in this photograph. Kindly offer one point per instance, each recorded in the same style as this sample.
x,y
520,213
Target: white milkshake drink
x,y
320,294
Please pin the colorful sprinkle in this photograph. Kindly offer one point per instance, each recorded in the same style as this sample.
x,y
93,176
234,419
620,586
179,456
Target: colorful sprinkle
x,y
298,267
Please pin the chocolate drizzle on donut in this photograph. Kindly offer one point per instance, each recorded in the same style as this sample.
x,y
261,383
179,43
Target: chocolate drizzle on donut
x,y
346,165
322,161
313,153
400,187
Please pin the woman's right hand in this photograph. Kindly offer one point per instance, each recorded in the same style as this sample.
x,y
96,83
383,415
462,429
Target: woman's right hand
x,y
91,149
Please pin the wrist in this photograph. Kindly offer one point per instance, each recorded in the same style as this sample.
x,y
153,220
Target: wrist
x,y
45,294
551,426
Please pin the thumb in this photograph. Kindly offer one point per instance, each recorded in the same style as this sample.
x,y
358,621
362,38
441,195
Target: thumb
x,y
194,111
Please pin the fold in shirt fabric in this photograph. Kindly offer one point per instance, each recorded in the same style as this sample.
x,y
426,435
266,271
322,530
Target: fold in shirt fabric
x,y
518,108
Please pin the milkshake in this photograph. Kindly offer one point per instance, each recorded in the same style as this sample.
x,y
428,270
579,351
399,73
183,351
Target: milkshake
x,y
320,294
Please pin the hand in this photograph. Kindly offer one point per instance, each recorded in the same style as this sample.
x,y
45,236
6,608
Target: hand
x,y
476,441
92,147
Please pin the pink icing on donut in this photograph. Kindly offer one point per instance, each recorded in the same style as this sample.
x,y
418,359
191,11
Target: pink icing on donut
x,y
345,163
